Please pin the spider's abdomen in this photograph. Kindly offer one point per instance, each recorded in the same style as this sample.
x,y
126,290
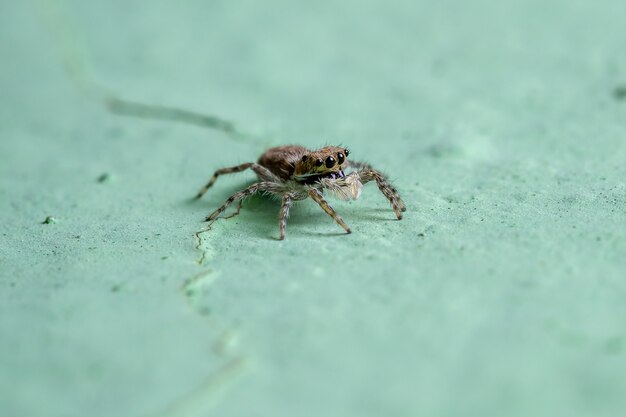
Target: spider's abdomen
x,y
281,160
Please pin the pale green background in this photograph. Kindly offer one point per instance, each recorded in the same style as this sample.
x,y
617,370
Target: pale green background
x,y
501,293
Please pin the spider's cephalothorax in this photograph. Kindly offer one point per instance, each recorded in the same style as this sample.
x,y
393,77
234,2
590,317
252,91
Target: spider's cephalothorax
x,y
295,173
327,162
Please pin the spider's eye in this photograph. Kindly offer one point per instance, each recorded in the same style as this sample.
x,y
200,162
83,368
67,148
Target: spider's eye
x,y
330,162
319,163
340,158
347,152
304,158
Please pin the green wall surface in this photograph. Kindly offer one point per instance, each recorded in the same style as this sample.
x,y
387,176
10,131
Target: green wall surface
x,y
501,293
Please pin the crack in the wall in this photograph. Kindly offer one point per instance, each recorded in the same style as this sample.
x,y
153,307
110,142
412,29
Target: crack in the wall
x,y
206,395
203,252
57,17
199,240
149,111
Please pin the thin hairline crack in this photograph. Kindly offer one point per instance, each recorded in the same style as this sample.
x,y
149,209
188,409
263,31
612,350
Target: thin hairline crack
x,y
203,252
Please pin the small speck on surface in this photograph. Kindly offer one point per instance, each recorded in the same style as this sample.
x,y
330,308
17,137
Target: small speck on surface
x,y
106,177
619,93
49,220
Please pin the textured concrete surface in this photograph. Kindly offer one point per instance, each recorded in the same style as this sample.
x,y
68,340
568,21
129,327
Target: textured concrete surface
x,y
501,293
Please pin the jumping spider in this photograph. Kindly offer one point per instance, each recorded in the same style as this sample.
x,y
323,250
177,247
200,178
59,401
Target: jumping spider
x,y
295,173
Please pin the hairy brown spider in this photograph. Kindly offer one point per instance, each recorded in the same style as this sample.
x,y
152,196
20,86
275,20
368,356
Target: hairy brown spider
x,y
295,173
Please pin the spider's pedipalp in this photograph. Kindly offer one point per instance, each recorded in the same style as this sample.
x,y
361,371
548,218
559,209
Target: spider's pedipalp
x,y
346,188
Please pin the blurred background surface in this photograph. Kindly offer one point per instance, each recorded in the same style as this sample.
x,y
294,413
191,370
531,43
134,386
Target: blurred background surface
x,y
501,293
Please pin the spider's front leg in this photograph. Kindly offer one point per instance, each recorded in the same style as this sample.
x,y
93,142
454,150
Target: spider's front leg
x,y
367,174
238,196
260,170
319,199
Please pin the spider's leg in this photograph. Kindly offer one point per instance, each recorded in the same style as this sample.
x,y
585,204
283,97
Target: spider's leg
x,y
358,165
238,196
319,199
388,190
260,170
284,214
222,171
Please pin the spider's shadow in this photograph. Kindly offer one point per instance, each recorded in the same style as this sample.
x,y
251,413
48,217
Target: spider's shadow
x,y
381,214
261,218
261,213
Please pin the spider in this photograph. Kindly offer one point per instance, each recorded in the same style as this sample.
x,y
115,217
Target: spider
x,y
295,173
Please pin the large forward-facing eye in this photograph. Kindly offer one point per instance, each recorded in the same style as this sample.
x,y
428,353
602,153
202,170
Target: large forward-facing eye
x,y
330,162
340,158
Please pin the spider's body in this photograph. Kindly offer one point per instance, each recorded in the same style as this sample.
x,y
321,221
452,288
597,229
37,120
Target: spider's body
x,y
296,173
